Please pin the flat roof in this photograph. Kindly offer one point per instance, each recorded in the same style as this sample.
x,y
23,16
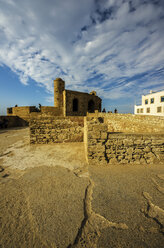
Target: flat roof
x,y
154,92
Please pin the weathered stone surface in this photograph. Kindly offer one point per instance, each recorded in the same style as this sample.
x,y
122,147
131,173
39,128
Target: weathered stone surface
x,y
113,161
130,150
56,129
143,161
124,148
129,123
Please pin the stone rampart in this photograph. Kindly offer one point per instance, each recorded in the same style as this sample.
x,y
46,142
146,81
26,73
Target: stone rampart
x,y
51,111
130,123
29,112
45,130
104,147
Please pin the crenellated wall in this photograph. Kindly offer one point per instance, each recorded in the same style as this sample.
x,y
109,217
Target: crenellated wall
x,y
104,147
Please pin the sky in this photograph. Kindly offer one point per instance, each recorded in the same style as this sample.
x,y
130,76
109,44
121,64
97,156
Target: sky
x,y
115,47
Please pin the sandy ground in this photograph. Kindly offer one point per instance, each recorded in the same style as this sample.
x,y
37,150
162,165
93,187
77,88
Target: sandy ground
x,y
49,197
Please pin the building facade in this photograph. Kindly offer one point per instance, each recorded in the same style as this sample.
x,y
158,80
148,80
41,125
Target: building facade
x,y
152,104
74,103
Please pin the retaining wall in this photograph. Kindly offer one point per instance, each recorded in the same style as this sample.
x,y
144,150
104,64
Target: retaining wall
x,y
104,147
45,130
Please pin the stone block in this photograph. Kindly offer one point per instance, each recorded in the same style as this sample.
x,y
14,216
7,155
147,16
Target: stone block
x,y
143,161
138,151
95,135
136,161
158,149
103,135
112,150
130,150
147,149
113,161
136,156
157,142
147,142
109,142
109,156
100,128
128,157
126,142
149,155
119,142
120,157
123,161
138,142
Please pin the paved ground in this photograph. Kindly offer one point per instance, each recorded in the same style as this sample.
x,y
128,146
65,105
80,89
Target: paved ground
x,y
50,198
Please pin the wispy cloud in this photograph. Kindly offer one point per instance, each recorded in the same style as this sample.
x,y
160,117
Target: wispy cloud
x,y
112,46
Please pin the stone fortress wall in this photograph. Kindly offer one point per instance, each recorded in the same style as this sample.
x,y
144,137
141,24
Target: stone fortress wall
x,y
74,103
22,112
44,130
132,145
108,138
85,102
28,112
130,123
102,146
66,103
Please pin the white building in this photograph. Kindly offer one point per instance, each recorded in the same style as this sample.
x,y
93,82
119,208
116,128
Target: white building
x,y
152,104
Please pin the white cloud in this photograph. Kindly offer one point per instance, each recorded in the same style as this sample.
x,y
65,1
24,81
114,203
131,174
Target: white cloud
x,y
43,40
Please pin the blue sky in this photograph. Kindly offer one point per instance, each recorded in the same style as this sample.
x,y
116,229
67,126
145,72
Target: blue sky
x,y
115,47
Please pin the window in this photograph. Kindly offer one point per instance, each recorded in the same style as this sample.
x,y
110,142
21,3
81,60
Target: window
x,y
162,98
138,110
159,109
152,100
75,105
91,106
141,110
146,101
148,110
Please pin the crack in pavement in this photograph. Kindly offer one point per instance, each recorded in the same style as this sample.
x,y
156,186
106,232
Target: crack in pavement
x,y
92,224
154,211
158,187
160,176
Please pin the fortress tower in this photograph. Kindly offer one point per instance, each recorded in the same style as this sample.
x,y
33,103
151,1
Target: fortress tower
x,y
59,87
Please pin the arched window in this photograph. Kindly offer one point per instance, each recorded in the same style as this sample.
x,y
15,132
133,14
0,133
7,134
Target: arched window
x,y
75,105
91,106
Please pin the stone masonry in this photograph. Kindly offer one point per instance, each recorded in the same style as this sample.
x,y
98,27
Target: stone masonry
x,y
130,123
66,103
45,130
104,147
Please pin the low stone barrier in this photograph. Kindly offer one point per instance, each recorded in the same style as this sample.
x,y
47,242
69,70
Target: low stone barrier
x,y
130,123
45,130
104,147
